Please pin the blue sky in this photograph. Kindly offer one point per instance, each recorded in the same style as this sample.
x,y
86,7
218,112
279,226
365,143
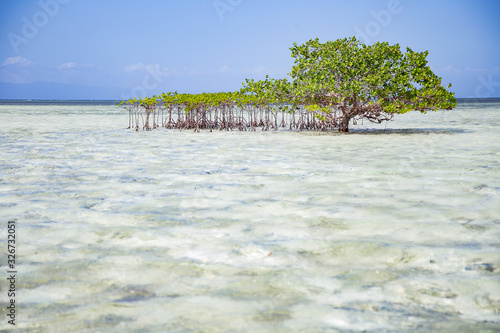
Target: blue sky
x,y
116,49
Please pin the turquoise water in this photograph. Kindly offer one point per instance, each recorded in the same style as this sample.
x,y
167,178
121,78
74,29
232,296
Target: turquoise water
x,y
393,227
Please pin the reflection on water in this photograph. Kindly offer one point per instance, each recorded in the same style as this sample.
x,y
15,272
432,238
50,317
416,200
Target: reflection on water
x,y
387,228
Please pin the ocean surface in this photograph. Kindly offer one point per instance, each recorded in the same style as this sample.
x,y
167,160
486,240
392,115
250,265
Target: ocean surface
x,y
391,227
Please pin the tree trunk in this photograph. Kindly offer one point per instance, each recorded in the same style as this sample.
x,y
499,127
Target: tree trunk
x,y
147,120
344,124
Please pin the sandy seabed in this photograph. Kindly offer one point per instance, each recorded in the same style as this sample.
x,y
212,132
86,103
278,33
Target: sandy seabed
x,y
391,227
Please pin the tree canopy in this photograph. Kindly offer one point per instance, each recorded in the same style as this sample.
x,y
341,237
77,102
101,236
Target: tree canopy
x,y
346,79
336,81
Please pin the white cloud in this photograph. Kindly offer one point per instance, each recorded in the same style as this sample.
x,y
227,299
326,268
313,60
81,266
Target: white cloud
x,y
16,61
225,69
466,71
475,70
451,70
149,68
134,68
67,65
154,70
261,71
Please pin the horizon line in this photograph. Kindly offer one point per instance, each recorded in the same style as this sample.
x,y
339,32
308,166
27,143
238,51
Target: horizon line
x,y
119,100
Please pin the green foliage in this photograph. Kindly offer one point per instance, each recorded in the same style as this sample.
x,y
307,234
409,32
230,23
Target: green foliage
x,y
363,81
338,81
346,79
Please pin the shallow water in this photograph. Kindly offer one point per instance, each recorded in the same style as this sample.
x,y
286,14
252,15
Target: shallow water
x,y
392,227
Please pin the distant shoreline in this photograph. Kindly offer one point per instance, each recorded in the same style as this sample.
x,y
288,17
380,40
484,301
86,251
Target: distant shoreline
x,y
115,102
